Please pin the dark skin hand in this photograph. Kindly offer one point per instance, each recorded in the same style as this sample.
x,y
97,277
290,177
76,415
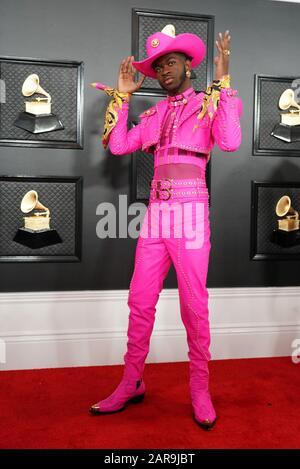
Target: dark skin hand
x,y
171,70
221,60
126,78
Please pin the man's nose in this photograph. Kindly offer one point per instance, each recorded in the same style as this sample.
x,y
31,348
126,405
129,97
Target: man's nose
x,y
165,70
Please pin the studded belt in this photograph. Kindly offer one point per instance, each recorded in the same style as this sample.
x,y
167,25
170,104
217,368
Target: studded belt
x,y
165,189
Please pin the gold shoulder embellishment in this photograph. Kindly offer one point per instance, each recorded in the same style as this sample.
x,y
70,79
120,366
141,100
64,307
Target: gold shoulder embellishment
x,y
212,96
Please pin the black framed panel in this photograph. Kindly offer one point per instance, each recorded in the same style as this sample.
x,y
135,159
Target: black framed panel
x,y
24,80
271,135
146,22
142,171
61,241
268,240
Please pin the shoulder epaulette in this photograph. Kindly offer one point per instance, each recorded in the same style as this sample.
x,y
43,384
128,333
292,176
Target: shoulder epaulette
x,y
149,112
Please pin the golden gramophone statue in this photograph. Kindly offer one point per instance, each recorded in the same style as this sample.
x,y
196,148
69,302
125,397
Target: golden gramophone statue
x,y
287,233
288,130
37,117
36,232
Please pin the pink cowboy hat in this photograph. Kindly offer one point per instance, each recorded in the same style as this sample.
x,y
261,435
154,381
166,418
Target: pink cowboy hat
x,y
164,42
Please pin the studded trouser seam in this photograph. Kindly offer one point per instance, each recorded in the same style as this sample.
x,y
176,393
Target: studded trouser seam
x,y
191,298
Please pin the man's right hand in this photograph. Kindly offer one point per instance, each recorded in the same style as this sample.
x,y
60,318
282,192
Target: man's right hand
x,y
126,79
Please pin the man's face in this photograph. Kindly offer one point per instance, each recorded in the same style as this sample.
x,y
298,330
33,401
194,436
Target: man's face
x,y
171,71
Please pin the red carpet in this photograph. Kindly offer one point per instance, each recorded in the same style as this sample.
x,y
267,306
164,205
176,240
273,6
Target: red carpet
x,y
257,401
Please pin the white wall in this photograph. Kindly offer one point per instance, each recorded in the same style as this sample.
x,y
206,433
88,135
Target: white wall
x,y
81,328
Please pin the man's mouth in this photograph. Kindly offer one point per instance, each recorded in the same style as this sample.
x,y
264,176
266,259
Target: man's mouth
x,y
168,81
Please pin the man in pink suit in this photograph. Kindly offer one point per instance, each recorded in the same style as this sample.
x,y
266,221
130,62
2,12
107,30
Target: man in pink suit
x,y
180,131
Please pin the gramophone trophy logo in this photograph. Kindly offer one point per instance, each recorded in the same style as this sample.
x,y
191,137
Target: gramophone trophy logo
x,y
287,233
288,130
37,117
36,232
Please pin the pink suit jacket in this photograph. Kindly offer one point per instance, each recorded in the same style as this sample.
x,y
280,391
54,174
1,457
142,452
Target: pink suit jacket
x,y
223,127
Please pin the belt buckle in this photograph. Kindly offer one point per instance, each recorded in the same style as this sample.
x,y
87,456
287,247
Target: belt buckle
x,y
158,189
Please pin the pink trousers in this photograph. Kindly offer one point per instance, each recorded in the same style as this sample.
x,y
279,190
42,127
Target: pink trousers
x,y
173,231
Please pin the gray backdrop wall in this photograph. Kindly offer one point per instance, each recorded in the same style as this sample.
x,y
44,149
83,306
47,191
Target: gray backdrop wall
x,y
264,40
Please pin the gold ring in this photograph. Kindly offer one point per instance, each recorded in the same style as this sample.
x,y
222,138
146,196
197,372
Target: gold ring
x,y
226,52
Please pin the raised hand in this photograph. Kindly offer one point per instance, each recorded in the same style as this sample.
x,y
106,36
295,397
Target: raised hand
x,y
222,59
126,79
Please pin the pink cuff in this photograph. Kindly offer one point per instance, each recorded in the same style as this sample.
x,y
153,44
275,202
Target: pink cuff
x,y
228,92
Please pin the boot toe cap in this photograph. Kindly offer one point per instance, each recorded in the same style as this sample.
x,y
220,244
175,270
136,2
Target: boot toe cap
x,y
206,424
95,409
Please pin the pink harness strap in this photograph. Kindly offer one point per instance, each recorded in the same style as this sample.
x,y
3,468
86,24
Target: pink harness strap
x,y
166,151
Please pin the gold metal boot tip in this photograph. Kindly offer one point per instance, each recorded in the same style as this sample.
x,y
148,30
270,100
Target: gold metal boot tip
x,y
94,409
206,424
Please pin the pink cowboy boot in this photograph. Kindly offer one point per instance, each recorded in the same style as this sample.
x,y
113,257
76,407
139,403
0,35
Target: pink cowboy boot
x,y
142,300
204,412
198,336
132,388
128,391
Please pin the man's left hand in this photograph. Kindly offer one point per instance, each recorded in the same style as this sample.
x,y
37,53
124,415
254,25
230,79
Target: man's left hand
x,y
222,59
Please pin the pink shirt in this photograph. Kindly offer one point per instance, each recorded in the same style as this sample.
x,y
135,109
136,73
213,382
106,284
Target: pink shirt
x,y
166,153
220,126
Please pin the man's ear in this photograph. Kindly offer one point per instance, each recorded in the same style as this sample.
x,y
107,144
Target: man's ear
x,y
187,64
188,67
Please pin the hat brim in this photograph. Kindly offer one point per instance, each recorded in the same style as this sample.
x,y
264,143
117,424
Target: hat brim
x,y
187,43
